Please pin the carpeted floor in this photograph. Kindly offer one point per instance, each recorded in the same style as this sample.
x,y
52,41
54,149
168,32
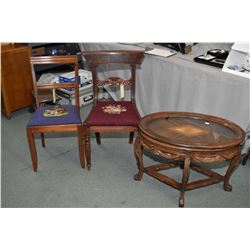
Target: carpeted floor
x,y
60,181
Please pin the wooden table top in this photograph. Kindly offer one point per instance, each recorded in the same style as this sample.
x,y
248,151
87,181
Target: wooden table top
x,y
191,130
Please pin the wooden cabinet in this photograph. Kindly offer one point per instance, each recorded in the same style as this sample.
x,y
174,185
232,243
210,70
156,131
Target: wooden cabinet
x,y
16,78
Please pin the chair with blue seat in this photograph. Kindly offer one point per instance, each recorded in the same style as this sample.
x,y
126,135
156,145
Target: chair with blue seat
x,y
47,119
112,116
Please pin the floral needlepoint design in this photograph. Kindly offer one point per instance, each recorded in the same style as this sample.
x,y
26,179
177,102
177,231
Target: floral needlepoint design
x,y
55,112
113,109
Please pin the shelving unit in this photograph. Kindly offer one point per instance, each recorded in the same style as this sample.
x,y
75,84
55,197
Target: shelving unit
x,y
54,49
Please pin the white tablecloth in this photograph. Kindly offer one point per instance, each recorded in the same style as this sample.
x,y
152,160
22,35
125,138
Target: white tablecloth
x,y
178,83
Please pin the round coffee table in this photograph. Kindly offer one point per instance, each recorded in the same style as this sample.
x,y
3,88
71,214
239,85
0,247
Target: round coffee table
x,y
188,139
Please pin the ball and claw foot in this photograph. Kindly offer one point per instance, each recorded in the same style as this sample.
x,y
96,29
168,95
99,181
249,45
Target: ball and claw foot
x,y
138,176
228,188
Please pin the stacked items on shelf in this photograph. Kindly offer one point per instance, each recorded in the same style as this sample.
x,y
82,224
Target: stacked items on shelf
x,y
85,94
85,87
67,95
84,76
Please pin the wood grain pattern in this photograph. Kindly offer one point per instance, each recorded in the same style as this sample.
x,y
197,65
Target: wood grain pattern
x,y
16,80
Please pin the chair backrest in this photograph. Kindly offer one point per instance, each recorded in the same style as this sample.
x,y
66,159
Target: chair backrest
x,y
107,57
56,60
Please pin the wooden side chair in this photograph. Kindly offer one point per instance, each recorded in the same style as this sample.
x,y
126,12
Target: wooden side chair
x,y
111,116
46,119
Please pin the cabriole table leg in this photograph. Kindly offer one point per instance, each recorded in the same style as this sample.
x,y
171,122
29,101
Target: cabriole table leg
x,y
138,155
233,164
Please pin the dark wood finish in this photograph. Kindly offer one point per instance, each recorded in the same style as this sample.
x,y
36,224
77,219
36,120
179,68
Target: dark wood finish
x,y
16,80
95,59
186,138
78,128
54,49
245,157
131,137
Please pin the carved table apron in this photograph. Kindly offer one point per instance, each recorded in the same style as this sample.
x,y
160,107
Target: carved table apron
x,y
185,154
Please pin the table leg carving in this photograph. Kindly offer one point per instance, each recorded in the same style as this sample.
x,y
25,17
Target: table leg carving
x,y
233,164
185,177
138,155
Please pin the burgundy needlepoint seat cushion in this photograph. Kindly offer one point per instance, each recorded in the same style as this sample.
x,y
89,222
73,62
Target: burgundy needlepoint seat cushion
x,y
38,119
99,118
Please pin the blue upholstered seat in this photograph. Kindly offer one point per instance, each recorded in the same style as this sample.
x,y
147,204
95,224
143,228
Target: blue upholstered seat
x,y
38,119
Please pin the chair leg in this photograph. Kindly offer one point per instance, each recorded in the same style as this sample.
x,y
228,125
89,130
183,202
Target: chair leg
x,y
80,145
32,147
131,137
98,138
87,148
246,156
43,140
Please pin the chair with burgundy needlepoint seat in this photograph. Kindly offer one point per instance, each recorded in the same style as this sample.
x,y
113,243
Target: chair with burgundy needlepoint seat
x,y
46,119
112,116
